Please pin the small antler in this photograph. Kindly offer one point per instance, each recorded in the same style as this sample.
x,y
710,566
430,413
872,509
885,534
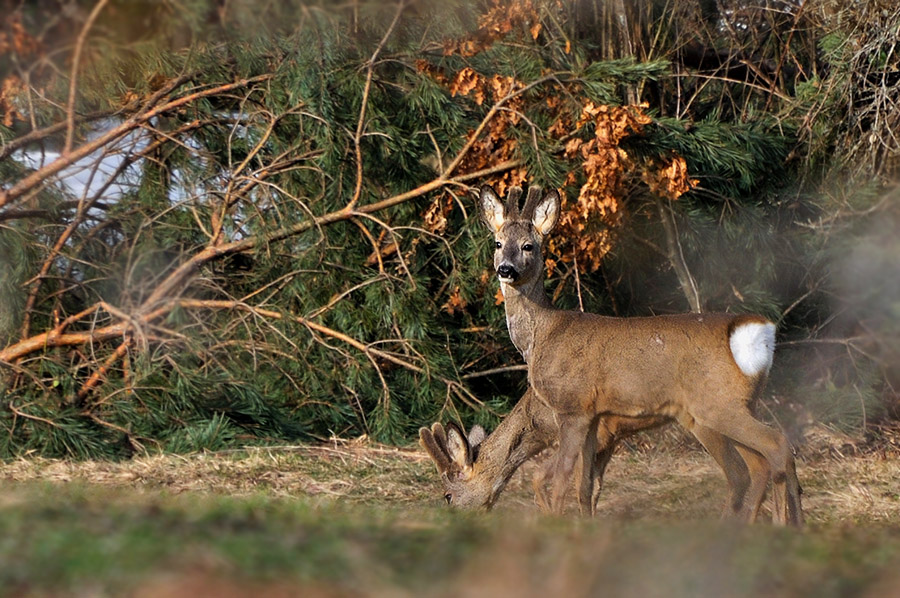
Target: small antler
x,y
531,202
512,202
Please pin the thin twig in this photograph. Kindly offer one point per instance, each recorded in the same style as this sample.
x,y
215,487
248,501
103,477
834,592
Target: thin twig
x,y
360,125
577,282
20,413
501,370
95,378
73,79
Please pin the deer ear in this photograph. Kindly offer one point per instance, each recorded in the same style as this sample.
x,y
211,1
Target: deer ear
x,y
458,447
437,453
476,436
491,208
546,213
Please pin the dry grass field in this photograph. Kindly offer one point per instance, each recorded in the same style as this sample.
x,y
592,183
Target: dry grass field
x,y
353,519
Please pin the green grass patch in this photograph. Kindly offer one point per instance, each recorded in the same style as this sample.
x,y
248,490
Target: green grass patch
x,y
80,539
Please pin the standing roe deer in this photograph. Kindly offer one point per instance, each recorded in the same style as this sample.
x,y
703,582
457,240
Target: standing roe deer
x,y
703,370
475,469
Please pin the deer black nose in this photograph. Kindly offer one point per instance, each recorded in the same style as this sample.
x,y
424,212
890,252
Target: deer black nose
x,y
507,271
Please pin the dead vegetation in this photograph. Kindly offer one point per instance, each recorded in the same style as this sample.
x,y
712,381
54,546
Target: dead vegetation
x,y
657,481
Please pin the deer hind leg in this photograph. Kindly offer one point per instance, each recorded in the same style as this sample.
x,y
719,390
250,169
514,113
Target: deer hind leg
x,y
748,510
588,489
743,429
584,485
736,471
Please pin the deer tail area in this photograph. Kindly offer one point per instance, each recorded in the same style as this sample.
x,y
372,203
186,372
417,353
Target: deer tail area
x,y
752,346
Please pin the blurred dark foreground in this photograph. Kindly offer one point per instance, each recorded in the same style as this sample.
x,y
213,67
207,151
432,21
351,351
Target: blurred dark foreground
x,y
338,521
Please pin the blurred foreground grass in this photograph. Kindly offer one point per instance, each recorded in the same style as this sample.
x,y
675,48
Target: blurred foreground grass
x,y
360,522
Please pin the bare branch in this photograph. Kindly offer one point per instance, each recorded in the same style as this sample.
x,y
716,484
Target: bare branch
x,y
73,79
41,175
360,125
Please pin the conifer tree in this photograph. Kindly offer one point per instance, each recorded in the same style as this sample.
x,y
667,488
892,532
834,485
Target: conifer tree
x,y
234,225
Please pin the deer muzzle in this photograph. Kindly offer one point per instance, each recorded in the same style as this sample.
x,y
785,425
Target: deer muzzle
x,y
507,273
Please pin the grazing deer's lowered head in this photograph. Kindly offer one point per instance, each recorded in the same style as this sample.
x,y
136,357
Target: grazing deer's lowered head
x,y
475,468
704,370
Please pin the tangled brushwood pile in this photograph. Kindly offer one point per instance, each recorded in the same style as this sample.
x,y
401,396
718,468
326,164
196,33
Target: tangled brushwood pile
x,y
229,225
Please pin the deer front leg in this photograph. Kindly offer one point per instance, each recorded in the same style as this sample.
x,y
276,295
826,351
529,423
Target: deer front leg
x,y
539,481
574,430
588,472
590,483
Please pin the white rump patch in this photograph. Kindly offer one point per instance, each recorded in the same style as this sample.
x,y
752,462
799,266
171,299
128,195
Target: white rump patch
x,y
752,345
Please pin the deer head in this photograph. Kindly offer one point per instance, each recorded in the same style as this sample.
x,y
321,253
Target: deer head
x,y
454,455
519,234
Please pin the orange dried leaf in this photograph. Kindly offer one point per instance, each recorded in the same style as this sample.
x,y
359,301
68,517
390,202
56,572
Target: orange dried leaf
x,y
671,180
465,81
9,88
455,303
435,217
496,23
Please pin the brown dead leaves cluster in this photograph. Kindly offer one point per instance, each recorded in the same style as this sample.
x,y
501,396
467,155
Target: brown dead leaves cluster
x,y
602,170
435,217
670,180
495,144
501,19
586,225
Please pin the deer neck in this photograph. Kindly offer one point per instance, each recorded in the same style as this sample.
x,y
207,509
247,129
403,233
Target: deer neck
x,y
526,307
523,433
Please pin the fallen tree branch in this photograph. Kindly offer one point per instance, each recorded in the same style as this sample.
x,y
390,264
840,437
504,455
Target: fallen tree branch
x,y
160,300
164,291
492,371
99,374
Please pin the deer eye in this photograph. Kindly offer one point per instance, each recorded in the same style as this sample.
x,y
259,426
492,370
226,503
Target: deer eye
x,y
448,497
527,247
498,244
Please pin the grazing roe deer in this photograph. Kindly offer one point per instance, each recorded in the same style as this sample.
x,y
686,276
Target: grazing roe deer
x,y
703,370
475,469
